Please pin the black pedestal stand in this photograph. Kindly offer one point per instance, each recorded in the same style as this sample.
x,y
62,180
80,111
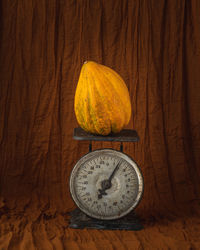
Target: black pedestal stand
x,y
78,218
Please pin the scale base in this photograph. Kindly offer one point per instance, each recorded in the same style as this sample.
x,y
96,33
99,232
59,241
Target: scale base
x,y
79,220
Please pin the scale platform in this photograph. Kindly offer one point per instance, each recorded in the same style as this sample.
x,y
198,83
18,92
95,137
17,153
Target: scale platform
x,y
80,220
126,135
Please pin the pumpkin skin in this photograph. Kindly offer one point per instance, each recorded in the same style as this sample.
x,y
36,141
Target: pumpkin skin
x,y
102,103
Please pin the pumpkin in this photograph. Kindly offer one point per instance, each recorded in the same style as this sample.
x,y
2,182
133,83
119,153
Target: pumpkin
x,y
102,103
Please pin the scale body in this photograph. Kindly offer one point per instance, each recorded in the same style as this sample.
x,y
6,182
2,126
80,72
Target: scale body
x,y
106,185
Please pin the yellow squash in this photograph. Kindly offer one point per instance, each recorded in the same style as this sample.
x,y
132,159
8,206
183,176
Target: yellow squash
x,y
102,103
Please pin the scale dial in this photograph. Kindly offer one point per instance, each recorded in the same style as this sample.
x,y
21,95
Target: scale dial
x,y
106,184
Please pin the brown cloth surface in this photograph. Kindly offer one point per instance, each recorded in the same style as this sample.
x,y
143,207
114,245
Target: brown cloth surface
x,y
155,47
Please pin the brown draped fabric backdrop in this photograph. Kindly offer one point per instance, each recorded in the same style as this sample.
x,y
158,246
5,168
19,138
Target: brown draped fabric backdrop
x,y
155,47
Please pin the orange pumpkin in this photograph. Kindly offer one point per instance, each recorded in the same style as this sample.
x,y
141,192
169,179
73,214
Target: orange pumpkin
x,y
102,103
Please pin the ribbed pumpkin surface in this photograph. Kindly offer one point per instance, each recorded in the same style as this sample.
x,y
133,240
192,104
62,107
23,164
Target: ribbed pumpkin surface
x,y
102,102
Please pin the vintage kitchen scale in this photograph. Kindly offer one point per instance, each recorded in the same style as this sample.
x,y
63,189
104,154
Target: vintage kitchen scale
x,y
106,185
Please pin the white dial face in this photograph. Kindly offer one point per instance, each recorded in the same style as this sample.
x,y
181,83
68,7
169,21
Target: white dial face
x,y
106,184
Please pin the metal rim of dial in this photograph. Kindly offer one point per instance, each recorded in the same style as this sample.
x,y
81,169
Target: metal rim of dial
x,y
113,153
